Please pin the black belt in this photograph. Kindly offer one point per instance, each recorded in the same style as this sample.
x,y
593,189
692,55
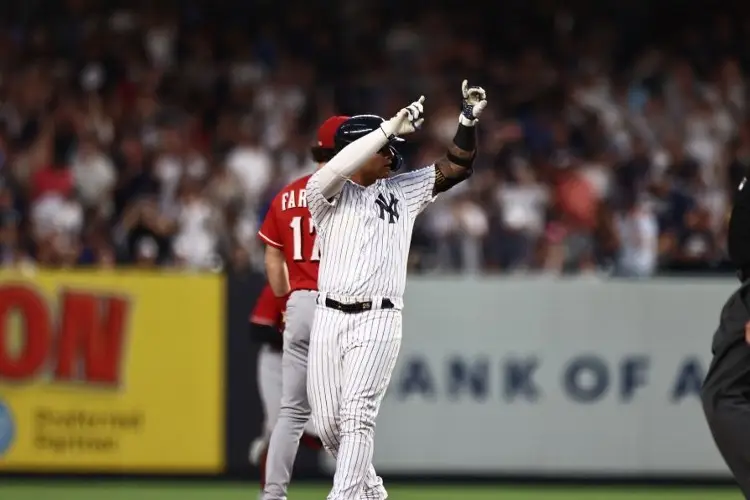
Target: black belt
x,y
357,307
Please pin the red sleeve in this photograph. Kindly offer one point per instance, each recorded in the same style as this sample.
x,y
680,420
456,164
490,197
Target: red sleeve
x,y
266,310
269,230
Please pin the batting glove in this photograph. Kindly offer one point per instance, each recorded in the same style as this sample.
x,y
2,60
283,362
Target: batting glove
x,y
474,102
406,121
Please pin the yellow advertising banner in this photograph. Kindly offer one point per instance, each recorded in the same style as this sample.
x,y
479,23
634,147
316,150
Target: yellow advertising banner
x,y
111,372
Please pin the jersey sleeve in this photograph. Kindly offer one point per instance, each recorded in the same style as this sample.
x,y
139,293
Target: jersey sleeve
x,y
418,186
320,208
269,230
266,310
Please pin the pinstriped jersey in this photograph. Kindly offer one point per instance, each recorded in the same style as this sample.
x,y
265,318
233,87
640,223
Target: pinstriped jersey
x,y
364,233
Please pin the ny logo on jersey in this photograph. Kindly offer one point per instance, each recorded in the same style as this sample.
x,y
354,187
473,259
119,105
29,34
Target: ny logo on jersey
x,y
389,207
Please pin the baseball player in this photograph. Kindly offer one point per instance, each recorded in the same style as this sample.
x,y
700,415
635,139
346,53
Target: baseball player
x,y
292,260
266,325
364,218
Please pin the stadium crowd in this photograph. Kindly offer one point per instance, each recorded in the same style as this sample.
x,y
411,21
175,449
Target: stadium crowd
x,y
156,136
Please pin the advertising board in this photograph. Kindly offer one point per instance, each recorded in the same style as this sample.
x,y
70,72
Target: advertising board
x,y
111,372
542,376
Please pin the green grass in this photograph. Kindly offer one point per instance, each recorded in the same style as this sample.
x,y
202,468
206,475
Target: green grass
x,y
48,490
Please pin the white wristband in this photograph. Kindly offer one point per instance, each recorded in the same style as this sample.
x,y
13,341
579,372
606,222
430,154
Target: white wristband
x,y
387,128
466,122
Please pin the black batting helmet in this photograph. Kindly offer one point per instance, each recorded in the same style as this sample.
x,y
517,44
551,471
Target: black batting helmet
x,y
361,125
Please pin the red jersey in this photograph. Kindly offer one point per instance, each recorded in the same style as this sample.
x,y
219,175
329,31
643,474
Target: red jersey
x,y
52,180
266,310
289,227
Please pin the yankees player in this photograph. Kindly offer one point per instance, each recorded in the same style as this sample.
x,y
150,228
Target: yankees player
x,y
266,325
292,260
364,220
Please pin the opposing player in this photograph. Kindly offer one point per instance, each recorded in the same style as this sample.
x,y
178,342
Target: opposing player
x,y
364,220
266,327
292,260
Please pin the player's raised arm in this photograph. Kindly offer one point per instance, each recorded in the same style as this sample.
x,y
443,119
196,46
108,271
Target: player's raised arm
x,y
456,165
329,179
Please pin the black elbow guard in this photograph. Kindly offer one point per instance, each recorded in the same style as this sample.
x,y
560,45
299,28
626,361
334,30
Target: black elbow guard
x,y
266,335
443,183
466,163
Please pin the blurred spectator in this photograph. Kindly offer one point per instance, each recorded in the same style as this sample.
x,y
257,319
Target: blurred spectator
x,y
196,229
522,201
135,137
471,229
637,232
11,250
250,163
94,175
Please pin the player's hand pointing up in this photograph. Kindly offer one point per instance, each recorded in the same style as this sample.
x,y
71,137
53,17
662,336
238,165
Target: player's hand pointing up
x,y
474,102
406,121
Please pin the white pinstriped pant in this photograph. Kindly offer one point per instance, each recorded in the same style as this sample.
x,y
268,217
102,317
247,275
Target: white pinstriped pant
x,y
350,363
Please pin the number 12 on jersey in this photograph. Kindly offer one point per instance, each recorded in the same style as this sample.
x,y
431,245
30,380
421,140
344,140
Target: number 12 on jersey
x,y
298,239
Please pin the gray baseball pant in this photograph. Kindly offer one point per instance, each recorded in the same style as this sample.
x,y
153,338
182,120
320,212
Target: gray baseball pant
x,y
294,412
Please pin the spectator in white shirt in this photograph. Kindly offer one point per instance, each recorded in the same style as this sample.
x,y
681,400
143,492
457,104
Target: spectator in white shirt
x,y
57,223
472,227
195,242
523,205
638,233
176,162
94,175
251,163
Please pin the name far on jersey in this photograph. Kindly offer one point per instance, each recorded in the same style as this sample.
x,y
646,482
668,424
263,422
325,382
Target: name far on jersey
x,y
295,198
